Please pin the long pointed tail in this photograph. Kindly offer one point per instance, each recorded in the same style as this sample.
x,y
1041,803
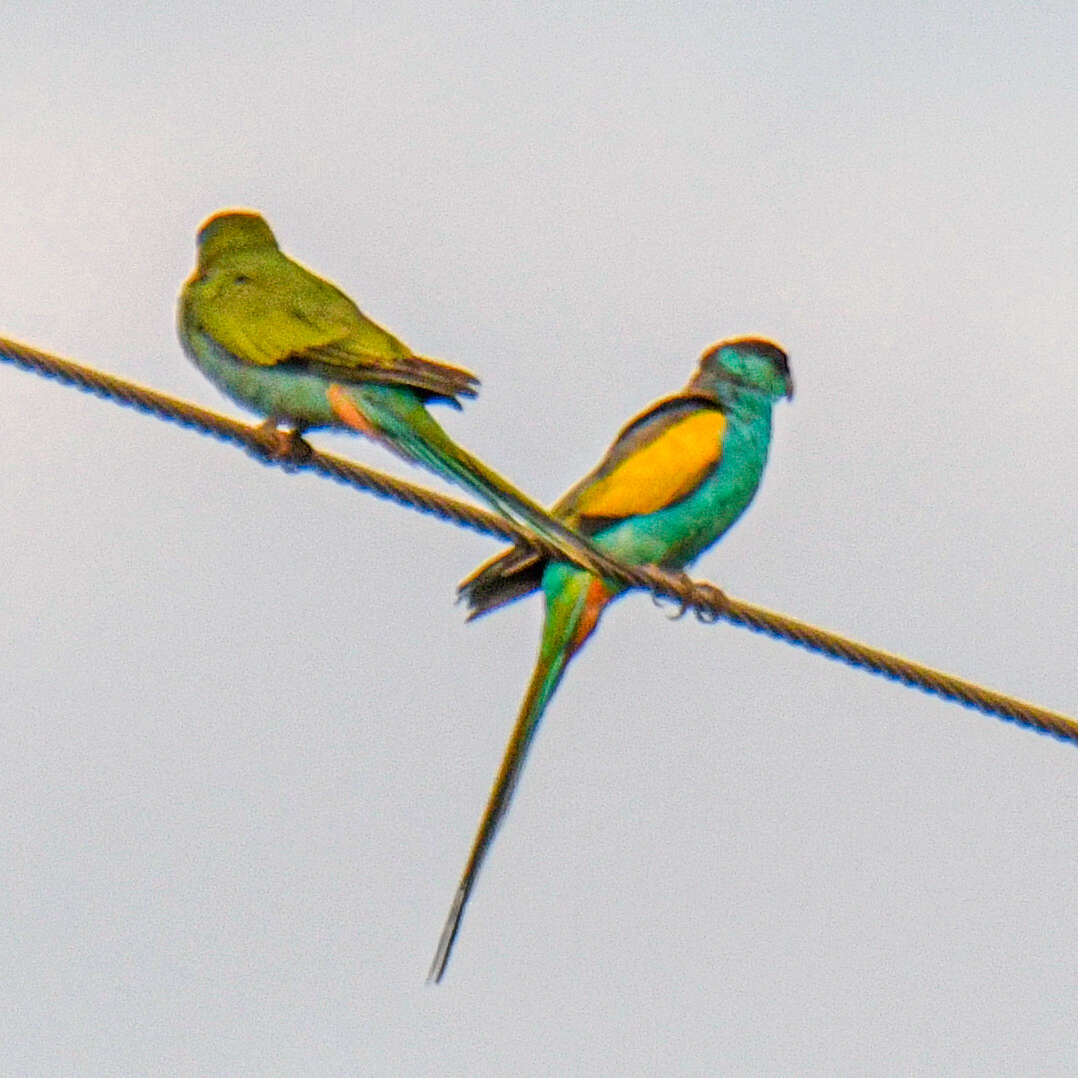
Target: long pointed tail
x,y
399,419
544,682
572,614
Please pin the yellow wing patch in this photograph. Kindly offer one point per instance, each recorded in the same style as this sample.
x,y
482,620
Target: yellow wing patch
x,y
660,473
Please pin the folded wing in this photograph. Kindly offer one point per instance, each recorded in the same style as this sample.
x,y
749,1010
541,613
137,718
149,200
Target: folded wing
x,y
657,459
283,314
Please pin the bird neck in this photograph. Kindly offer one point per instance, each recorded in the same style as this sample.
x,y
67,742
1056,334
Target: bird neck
x,y
741,401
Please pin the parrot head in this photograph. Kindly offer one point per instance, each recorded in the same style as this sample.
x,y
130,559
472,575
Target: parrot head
x,y
230,231
751,363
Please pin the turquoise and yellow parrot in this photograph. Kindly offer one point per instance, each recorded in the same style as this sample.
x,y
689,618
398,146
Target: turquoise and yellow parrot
x,y
295,349
675,479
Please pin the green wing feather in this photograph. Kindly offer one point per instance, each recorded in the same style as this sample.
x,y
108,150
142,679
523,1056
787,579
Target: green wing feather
x,y
266,310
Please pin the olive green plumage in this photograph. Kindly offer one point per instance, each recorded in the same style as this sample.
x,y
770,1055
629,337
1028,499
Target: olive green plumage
x,y
295,349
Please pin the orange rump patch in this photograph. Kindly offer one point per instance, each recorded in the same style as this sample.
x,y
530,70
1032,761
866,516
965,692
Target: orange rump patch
x,y
346,410
594,603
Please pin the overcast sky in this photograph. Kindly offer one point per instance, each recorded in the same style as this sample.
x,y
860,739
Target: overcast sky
x,y
248,735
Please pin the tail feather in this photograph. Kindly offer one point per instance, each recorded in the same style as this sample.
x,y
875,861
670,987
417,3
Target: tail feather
x,y
413,433
508,576
544,682
572,614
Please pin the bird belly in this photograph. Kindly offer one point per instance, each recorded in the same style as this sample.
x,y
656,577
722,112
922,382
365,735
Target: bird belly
x,y
287,394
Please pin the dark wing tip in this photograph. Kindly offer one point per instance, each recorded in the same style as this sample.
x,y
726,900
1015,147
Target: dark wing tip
x,y
505,578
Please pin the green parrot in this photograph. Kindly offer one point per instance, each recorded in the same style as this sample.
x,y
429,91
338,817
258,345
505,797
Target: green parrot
x,y
674,481
293,348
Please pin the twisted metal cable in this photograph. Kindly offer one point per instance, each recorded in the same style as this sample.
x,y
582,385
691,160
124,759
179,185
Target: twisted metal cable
x,y
704,599
266,444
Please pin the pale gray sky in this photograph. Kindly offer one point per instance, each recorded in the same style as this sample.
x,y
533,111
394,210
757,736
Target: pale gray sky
x,y
248,734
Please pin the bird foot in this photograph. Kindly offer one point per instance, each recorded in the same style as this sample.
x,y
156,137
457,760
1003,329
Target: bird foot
x,y
283,446
716,601
702,593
